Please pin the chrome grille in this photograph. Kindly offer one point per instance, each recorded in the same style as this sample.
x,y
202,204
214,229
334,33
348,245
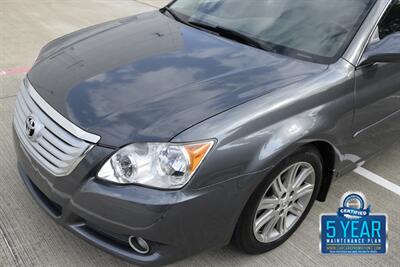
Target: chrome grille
x,y
55,148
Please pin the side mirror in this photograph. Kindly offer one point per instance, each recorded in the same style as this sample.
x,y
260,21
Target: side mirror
x,y
386,50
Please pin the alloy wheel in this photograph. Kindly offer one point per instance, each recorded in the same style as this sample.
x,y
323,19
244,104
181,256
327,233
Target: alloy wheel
x,y
284,202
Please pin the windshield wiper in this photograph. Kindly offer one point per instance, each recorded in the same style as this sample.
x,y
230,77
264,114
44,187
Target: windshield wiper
x,y
173,14
222,31
230,33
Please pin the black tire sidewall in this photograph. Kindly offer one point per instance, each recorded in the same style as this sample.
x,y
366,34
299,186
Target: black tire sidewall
x,y
244,236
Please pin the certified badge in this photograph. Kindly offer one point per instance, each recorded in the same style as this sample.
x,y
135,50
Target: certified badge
x,y
353,229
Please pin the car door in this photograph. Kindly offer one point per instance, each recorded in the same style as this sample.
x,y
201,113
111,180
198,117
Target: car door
x,y
377,94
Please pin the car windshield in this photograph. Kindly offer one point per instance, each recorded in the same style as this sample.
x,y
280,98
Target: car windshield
x,y
314,30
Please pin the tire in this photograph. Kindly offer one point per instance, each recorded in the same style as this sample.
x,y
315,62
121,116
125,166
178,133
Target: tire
x,y
249,236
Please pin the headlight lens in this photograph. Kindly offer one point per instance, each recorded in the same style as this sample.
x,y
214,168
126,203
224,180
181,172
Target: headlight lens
x,y
160,165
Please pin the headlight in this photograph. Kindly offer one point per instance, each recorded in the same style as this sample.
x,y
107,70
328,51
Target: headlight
x,y
161,165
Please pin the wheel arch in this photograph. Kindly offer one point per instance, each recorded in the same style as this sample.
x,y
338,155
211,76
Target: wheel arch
x,y
330,157
328,167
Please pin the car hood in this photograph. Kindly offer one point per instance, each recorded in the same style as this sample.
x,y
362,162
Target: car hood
x,y
146,78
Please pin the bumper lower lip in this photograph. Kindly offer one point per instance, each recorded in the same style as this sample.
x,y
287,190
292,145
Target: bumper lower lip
x,y
115,244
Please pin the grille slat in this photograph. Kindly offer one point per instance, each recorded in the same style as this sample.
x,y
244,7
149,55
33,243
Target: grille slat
x,y
22,105
55,149
70,150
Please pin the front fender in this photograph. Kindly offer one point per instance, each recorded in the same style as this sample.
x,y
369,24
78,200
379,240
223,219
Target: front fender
x,y
257,135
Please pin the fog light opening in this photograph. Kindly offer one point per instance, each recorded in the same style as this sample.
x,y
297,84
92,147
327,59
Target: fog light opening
x,y
139,245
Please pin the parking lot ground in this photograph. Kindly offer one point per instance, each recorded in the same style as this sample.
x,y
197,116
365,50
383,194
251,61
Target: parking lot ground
x,y
384,165
28,237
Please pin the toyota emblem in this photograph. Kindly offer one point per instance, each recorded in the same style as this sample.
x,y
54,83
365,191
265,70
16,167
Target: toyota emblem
x,y
33,127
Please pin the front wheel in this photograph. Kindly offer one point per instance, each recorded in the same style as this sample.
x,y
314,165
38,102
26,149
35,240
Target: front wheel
x,y
279,205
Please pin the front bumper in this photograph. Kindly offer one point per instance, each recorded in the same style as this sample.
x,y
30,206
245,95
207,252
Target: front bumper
x,y
176,224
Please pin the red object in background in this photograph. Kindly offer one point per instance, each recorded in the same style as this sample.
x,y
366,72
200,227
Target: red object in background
x,y
13,71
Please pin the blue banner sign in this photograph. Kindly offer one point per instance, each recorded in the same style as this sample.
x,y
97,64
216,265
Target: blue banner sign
x,y
353,229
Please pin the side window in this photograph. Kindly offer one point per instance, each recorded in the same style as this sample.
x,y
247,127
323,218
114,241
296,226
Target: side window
x,y
391,21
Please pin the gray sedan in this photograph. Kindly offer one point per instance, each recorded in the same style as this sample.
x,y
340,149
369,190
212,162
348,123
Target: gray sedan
x,y
160,135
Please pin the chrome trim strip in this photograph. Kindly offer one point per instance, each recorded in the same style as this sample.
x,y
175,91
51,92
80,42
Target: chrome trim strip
x,y
376,123
59,119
